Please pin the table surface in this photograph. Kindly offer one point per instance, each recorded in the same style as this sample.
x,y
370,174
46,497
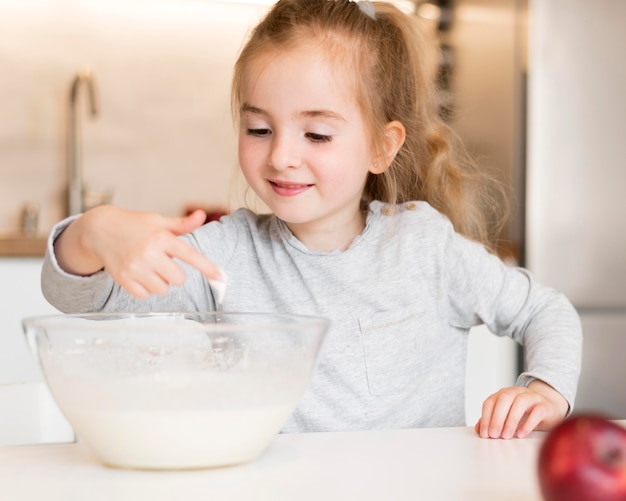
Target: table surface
x,y
426,464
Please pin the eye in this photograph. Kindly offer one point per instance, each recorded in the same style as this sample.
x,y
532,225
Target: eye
x,y
258,132
318,138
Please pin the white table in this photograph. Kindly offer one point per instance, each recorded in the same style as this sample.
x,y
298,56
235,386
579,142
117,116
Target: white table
x,y
447,464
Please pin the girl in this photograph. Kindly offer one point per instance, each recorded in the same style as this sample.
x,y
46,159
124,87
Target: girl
x,y
376,223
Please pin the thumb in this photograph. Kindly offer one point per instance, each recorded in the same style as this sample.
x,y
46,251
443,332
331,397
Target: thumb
x,y
186,224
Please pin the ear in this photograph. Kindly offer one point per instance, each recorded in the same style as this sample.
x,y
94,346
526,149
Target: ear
x,y
393,139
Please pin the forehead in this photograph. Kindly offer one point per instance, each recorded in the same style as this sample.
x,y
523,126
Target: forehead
x,y
309,68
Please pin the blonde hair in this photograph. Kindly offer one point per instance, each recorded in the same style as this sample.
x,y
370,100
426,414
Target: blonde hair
x,y
393,64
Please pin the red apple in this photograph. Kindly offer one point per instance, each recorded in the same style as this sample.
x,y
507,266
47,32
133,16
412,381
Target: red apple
x,y
584,459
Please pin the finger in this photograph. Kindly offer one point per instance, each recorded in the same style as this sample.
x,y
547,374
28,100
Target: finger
x,y
154,284
135,289
499,414
532,421
485,418
186,253
521,405
185,224
198,217
140,279
162,272
170,272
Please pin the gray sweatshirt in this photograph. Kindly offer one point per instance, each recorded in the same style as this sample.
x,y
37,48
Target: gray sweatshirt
x,y
401,298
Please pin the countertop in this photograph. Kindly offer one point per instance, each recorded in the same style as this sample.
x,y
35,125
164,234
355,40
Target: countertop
x,y
433,464
17,245
13,244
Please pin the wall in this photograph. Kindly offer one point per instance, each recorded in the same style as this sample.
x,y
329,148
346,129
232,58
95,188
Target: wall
x,y
164,137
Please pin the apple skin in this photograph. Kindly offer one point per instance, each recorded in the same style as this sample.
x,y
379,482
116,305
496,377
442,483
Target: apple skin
x,y
583,459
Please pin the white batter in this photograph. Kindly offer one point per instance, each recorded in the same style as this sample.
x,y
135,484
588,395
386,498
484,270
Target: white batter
x,y
154,439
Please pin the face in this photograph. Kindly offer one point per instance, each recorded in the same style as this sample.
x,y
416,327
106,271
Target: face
x,y
303,145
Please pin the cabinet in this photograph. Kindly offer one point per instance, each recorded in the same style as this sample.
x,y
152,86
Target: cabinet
x,y
28,414
20,296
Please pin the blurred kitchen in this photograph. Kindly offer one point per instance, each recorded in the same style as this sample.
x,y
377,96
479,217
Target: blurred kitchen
x,y
135,93
162,135
538,92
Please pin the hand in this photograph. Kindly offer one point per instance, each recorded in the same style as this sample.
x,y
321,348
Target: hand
x,y
516,411
136,248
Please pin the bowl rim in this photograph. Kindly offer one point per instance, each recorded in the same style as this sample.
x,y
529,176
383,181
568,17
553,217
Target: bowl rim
x,y
283,319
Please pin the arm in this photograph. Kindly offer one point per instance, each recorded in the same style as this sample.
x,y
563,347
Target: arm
x,y
511,303
549,329
137,249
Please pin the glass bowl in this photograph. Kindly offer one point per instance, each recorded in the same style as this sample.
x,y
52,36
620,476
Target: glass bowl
x,y
176,390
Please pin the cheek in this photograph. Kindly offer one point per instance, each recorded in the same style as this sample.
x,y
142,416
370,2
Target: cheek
x,y
345,182
248,154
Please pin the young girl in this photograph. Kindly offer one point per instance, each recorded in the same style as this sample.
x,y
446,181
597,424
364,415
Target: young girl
x,y
375,223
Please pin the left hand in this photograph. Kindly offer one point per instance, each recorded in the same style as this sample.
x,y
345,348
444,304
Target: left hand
x,y
516,411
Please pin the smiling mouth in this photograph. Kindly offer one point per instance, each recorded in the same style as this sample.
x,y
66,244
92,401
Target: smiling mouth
x,y
289,189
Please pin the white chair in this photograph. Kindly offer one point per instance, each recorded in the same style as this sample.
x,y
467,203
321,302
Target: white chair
x,y
491,365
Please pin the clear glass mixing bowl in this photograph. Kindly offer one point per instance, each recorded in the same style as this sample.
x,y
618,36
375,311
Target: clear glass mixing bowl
x,y
177,390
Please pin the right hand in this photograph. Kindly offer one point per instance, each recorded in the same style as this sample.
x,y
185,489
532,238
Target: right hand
x,y
136,248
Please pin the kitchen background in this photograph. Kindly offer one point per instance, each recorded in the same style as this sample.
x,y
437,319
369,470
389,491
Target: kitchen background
x,y
163,138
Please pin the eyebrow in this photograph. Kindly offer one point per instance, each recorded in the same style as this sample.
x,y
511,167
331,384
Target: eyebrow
x,y
247,108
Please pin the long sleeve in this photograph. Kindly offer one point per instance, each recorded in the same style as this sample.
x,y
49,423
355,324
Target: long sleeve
x,y
402,300
70,293
510,302
99,292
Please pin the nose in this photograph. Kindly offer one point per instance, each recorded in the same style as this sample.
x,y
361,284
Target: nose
x,y
284,152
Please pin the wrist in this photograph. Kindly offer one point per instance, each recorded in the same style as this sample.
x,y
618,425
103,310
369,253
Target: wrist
x,y
73,248
559,402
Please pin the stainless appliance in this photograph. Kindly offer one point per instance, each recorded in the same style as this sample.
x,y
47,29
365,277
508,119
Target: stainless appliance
x,y
540,92
576,179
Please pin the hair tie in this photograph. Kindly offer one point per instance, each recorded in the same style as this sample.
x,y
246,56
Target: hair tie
x,y
367,8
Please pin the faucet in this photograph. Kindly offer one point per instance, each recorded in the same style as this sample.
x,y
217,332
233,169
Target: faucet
x,y
75,187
